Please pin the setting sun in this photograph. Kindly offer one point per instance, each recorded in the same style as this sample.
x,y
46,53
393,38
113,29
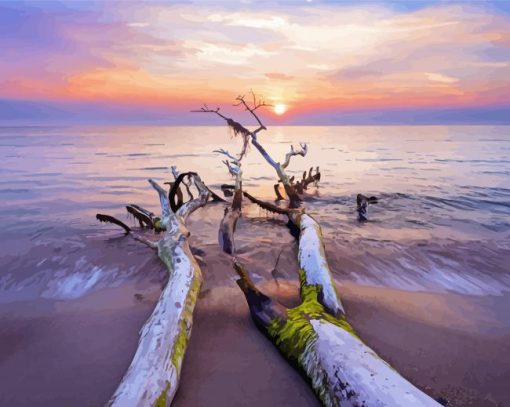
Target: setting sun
x,y
280,108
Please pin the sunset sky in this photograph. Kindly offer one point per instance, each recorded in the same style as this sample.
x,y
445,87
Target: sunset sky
x,y
326,62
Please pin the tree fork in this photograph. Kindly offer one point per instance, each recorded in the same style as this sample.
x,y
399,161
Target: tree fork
x,y
152,378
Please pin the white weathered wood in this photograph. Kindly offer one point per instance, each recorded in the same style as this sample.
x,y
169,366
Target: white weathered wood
x,y
153,375
292,153
152,378
343,371
349,373
313,262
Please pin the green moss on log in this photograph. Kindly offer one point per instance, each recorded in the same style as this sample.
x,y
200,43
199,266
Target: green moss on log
x,y
161,400
185,324
294,334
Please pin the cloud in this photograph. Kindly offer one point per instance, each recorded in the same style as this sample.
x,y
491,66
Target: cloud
x,y
308,55
279,76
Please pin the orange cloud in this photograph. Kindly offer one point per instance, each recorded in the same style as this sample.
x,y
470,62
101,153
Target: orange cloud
x,y
311,57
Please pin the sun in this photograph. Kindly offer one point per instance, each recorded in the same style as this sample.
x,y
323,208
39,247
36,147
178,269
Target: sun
x,y
280,109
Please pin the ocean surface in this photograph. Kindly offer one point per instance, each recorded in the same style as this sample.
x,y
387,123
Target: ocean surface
x,y
442,223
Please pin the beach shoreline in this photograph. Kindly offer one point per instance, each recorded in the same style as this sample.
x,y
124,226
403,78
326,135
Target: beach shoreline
x,y
77,351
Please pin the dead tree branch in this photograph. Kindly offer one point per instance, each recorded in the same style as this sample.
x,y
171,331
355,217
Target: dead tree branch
x,y
292,153
153,376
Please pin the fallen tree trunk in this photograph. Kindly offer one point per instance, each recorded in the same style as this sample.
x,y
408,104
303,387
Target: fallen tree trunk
x,y
153,376
341,369
315,336
313,263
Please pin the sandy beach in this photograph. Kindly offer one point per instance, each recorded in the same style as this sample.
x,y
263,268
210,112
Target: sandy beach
x,y
424,282
74,353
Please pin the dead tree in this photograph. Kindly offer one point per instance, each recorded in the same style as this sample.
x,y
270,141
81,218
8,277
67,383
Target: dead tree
x,y
232,212
342,370
251,136
315,336
153,376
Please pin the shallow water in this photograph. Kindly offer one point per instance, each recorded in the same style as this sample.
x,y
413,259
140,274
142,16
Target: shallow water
x,y
74,293
442,223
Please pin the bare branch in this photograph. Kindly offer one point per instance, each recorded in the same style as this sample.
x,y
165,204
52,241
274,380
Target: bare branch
x,y
189,207
266,205
174,171
110,219
206,109
292,152
256,104
234,160
145,241
163,198
264,153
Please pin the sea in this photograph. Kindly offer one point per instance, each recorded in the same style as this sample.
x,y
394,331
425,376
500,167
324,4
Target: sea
x,y
441,224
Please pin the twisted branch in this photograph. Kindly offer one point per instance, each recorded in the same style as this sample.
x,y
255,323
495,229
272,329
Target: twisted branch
x,y
292,152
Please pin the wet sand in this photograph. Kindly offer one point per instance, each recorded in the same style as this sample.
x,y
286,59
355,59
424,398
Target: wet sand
x,y
75,353
63,353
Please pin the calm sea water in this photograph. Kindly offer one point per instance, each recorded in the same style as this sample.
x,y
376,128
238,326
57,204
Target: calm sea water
x,y
442,224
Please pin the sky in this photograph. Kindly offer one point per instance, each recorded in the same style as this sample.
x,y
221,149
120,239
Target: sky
x,y
326,62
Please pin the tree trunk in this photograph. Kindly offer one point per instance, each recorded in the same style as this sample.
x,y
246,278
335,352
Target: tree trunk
x,y
313,262
316,338
153,376
228,224
341,369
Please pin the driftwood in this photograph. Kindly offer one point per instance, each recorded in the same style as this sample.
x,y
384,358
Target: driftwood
x,y
342,370
248,135
233,212
315,336
153,376
362,202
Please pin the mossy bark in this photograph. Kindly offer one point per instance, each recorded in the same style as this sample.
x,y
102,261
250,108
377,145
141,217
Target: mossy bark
x,y
153,376
341,369
316,338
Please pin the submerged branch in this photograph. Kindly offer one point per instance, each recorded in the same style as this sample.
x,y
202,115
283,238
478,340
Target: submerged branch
x,y
266,205
110,219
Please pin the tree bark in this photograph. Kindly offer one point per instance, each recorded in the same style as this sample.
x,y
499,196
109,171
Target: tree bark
x,y
153,376
228,224
341,369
